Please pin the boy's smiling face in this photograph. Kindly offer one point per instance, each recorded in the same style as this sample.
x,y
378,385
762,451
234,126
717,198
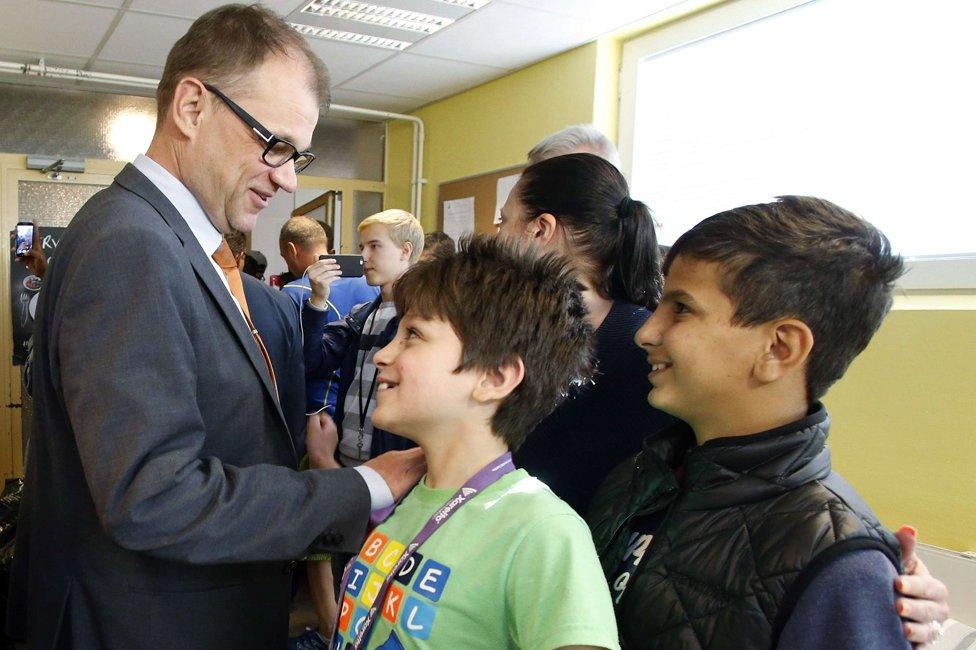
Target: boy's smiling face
x,y
418,390
701,364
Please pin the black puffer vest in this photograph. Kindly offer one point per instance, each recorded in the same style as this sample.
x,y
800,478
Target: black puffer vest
x,y
754,520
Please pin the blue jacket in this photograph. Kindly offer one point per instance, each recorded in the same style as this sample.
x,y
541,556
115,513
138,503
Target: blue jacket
x,y
345,295
331,347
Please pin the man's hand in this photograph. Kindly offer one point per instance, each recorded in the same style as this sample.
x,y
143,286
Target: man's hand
x,y
321,275
400,469
925,598
321,440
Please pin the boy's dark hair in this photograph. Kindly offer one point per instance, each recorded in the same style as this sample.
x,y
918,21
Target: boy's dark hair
x,y
437,243
805,258
612,233
504,303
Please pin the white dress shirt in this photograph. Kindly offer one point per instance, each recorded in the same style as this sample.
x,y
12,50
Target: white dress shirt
x,y
209,239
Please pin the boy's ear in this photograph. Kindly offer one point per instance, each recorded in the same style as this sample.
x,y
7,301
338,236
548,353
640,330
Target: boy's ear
x,y
787,348
406,251
498,383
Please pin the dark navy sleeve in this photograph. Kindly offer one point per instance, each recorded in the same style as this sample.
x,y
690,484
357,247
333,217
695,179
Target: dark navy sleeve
x,y
849,604
324,343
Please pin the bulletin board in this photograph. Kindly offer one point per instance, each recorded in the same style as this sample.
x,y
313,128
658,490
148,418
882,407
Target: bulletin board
x,y
482,187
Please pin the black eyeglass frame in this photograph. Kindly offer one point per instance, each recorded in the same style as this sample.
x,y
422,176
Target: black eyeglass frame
x,y
266,136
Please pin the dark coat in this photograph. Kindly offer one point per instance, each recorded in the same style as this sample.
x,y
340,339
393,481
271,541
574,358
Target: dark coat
x,y
273,314
332,348
161,500
752,522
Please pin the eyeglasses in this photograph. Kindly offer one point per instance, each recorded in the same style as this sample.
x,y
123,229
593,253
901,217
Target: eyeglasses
x,y
277,152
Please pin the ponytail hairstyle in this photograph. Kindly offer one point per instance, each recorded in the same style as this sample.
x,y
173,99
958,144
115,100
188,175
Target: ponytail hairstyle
x,y
612,233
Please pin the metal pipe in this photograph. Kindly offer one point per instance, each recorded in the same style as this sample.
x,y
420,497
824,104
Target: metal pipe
x,y
41,69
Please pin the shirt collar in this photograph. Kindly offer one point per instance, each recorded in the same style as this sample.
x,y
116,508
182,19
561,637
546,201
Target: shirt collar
x,y
183,200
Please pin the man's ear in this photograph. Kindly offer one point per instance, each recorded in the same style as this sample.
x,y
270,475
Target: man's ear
x,y
545,229
189,106
788,345
292,249
498,383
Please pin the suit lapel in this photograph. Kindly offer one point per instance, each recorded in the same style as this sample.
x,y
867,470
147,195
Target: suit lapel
x,y
135,181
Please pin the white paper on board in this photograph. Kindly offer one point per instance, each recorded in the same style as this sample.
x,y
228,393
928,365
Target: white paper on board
x,y
502,189
459,217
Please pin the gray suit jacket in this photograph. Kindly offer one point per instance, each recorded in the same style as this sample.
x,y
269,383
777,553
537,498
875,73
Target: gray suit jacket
x,y
162,502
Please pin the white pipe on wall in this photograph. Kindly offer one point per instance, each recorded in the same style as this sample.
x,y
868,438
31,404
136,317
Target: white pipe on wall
x,y
41,69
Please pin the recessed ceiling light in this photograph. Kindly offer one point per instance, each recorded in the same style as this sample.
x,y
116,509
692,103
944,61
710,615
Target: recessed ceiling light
x,y
371,14
351,37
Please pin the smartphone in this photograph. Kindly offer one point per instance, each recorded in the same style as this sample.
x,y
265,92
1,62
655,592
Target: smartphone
x,y
350,265
25,238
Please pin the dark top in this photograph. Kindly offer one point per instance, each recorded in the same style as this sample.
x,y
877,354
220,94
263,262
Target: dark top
x,y
603,423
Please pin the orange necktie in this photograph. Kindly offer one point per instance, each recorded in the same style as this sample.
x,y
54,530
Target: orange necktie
x,y
225,260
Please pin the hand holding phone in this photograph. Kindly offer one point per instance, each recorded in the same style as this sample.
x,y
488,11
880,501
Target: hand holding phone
x,y
350,265
321,275
24,238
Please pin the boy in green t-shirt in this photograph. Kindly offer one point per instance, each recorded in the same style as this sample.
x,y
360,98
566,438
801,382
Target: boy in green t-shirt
x,y
479,555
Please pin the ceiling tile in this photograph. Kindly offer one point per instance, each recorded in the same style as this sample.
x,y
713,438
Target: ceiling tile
x,y
408,75
115,4
196,8
52,27
507,36
345,60
374,101
605,15
143,38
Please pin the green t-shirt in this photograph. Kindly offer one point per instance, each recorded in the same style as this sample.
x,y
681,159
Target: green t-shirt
x,y
514,567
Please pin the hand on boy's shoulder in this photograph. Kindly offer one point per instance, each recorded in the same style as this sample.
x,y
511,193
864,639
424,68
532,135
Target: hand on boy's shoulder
x,y
400,469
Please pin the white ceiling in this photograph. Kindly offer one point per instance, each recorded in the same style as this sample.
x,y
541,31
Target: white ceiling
x,y
132,37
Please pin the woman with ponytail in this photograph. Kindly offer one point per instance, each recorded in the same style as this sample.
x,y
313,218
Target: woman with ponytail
x,y
579,205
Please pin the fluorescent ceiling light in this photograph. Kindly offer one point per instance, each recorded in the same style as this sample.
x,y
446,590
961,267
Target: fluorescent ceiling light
x,y
371,14
470,4
351,37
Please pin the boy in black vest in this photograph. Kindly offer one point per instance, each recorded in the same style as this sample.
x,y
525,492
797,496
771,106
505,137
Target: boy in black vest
x,y
756,542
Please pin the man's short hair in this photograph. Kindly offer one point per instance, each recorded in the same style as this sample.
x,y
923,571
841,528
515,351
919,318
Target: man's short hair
x,y
402,226
805,258
503,303
438,243
224,45
237,242
580,138
304,232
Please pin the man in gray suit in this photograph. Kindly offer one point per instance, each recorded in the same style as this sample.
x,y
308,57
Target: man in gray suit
x,y
162,502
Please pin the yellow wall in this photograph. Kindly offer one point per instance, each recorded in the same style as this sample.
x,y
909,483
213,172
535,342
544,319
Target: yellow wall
x,y
902,417
492,126
903,430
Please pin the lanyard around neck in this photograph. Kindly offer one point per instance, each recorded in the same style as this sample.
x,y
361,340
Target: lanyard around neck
x,y
484,478
364,408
